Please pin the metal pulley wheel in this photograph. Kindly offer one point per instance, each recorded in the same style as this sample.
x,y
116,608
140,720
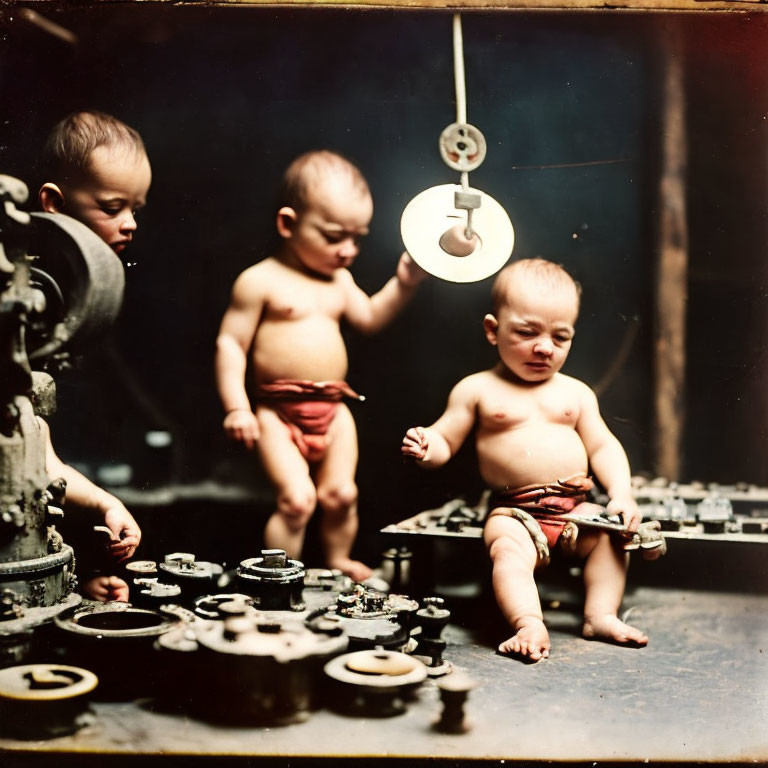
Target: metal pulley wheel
x,y
81,278
275,581
462,147
375,682
39,701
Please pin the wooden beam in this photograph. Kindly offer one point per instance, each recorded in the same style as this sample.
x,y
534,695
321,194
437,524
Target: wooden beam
x,y
671,287
503,5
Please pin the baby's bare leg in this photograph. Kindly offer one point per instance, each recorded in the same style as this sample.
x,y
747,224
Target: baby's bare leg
x,y
289,473
514,558
337,495
604,580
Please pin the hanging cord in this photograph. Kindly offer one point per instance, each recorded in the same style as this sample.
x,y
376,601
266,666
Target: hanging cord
x,y
461,102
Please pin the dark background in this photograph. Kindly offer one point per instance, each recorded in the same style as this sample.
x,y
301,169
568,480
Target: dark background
x,y
570,106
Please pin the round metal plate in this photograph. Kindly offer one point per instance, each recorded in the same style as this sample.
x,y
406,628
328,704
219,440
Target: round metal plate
x,y
432,212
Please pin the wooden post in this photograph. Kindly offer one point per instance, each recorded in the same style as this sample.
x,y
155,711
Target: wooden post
x,y
671,288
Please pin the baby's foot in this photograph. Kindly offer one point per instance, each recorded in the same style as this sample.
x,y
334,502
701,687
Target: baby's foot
x,y
531,641
356,570
611,629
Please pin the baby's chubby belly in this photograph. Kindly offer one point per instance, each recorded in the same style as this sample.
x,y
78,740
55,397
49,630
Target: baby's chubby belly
x,y
535,452
311,348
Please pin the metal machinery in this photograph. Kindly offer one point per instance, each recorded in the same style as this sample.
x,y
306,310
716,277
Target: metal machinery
x,y
59,282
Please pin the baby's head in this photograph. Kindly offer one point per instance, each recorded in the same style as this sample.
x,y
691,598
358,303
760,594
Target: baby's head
x,y
325,210
535,306
98,173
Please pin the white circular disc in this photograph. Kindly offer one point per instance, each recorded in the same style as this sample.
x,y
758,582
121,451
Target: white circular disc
x,y
432,212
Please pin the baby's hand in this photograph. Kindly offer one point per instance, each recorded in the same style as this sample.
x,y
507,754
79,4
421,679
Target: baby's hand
x,y
415,444
241,425
627,508
126,533
104,588
409,273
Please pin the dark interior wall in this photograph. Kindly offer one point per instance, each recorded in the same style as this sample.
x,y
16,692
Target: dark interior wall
x,y
226,97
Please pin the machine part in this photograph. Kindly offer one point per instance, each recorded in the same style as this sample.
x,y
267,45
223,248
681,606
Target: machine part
x,y
220,607
432,618
18,636
714,512
43,701
141,568
374,683
262,672
39,582
329,580
95,634
371,618
433,212
151,593
396,568
462,147
196,578
81,278
454,691
274,581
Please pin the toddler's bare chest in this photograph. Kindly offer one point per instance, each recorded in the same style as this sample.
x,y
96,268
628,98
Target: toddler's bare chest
x,y
302,301
502,411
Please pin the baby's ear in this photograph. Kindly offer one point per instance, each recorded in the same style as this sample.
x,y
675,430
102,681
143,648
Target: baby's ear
x,y
491,326
286,220
51,198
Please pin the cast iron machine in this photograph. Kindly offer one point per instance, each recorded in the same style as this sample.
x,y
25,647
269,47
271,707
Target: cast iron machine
x,y
58,282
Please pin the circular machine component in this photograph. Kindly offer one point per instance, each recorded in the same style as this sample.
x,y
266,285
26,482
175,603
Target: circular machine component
x,y
39,701
41,582
141,568
81,278
274,581
462,147
196,578
433,213
97,633
222,606
371,618
257,671
374,683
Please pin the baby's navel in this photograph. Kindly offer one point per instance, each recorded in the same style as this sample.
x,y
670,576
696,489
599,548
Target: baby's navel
x,y
567,413
500,416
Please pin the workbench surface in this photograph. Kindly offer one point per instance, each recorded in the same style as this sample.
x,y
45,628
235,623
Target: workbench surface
x,y
698,692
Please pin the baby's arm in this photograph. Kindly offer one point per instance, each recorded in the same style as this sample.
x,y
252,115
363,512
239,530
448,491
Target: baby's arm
x,y
608,460
238,328
81,492
371,313
433,446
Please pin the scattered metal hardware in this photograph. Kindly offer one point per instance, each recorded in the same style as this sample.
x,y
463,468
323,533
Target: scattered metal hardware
x,y
454,691
254,671
371,618
195,577
43,701
374,683
432,619
273,580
